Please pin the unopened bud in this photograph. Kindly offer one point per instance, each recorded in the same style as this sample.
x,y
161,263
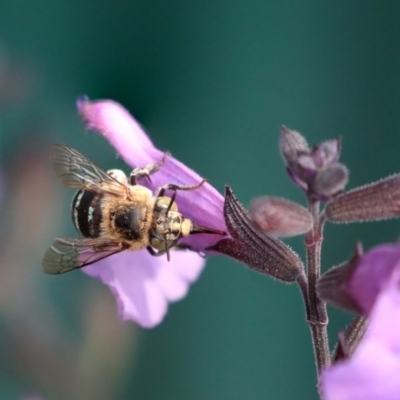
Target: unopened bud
x,y
280,217
329,182
326,153
316,170
333,286
254,248
292,144
376,201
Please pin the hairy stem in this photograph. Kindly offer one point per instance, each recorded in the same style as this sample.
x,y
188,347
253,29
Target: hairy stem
x,y
317,318
302,281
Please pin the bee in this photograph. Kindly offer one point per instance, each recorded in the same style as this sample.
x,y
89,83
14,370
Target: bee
x,y
113,213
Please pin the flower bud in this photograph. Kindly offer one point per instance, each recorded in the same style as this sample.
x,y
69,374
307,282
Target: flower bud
x,y
326,153
329,182
315,170
254,248
292,144
280,217
378,200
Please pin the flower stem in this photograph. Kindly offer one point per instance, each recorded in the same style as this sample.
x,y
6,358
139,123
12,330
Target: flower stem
x,y
317,318
302,281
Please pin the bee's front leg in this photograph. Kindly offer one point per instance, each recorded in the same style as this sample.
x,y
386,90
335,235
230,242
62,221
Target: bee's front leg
x,y
178,247
149,169
172,186
159,252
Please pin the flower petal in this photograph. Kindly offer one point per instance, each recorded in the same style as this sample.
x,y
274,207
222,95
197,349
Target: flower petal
x,y
144,284
117,125
203,205
376,268
175,278
374,369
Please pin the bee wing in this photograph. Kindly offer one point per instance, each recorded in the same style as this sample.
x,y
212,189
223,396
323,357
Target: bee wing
x,y
67,254
76,171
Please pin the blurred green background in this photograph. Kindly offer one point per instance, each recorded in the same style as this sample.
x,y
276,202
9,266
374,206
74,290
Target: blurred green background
x,y
211,81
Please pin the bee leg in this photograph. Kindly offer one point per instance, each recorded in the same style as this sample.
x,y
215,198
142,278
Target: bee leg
x,y
158,253
179,247
182,247
172,186
153,252
149,169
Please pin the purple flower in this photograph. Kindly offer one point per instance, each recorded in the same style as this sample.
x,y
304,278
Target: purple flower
x,y
373,370
375,270
143,284
356,284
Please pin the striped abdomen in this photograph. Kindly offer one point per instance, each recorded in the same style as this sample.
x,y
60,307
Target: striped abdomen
x,y
87,213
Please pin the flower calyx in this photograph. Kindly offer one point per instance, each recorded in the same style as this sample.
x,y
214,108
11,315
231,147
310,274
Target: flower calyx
x,y
333,286
256,249
375,201
350,338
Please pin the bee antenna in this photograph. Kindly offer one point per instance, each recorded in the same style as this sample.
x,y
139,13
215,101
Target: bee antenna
x,y
171,202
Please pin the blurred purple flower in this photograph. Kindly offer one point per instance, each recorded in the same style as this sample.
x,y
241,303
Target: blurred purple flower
x,y
373,371
374,271
143,284
356,284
